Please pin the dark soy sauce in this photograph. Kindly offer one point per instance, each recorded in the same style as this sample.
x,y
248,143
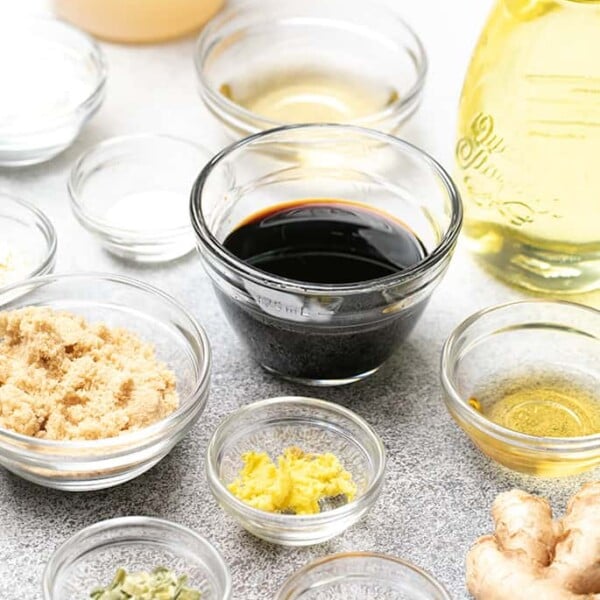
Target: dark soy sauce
x,y
324,242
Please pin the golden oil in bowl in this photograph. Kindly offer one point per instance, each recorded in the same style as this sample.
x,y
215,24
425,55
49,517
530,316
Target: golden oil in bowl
x,y
542,406
523,379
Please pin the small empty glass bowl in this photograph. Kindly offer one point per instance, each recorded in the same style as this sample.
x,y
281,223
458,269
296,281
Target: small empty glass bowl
x,y
90,558
367,575
320,333
53,78
178,341
538,346
132,194
27,241
314,426
325,61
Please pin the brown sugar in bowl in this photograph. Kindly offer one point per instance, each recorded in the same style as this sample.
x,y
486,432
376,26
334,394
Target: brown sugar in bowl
x,y
179,342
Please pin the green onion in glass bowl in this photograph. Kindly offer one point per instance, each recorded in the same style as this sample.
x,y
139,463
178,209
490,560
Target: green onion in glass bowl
x,y
160,584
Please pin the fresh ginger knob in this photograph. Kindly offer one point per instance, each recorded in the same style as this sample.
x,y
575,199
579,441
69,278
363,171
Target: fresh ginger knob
x,y
530,556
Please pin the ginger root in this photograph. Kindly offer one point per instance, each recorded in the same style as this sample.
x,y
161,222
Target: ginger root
x,y
533,557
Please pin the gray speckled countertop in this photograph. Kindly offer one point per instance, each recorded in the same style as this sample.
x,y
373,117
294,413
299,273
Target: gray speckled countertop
x,y
438,487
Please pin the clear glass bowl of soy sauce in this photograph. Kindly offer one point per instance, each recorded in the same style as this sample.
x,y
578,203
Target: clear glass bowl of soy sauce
x,y
324,243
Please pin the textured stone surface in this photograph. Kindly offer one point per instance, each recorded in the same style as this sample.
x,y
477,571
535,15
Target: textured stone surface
x,y
438,487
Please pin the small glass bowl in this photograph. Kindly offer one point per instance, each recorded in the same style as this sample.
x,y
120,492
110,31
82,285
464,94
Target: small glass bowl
x,y
178,341
321,334
27,241
314,426
245,45
53,81
132,194
530,340
91,558
361,575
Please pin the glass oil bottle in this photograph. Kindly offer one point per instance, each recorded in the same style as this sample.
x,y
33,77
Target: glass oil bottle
x,y
529,141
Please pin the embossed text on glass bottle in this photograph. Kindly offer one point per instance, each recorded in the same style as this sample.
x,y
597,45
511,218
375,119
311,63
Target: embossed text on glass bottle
x,y
528,147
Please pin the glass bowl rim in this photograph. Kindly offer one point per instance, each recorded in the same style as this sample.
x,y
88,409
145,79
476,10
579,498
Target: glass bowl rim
x,y
48,230
54,24
454,401
140,521
204,45
186,405
224,256
80,169
296,521
341,556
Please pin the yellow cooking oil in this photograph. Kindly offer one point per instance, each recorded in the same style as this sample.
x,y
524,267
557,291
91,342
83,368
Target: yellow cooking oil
x,y
310,95
545,410
543,406
528,144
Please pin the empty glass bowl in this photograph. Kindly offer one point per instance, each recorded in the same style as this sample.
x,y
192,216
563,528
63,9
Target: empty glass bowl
x,y
361,575
53,81
318,333
178,341
325,61
27,241
543,347
314,426
91,558
132,194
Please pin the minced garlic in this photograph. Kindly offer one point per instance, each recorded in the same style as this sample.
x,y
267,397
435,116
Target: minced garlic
x,y
296,485
62,378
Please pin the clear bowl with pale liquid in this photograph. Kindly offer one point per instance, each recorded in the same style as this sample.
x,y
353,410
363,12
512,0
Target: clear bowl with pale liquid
x,y
522,380
528,142
297,62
